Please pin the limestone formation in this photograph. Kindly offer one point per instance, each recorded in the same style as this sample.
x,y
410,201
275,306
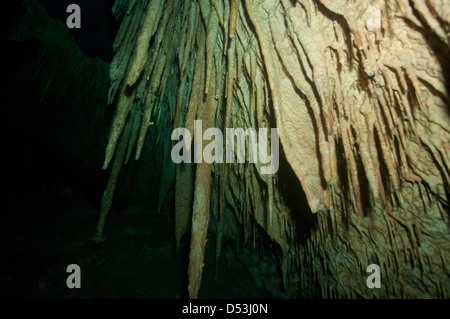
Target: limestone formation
x,y
359,93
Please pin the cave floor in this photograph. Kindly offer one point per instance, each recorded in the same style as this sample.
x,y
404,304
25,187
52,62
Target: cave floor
x,y
41,236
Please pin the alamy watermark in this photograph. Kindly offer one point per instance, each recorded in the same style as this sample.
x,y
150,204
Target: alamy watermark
x,y
213,151
74,19
374,280
74,279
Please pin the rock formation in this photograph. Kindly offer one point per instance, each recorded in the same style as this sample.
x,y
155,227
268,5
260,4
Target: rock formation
x,y
359,93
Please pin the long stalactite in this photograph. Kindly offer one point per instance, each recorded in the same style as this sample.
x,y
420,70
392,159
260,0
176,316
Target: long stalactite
x,y
359,94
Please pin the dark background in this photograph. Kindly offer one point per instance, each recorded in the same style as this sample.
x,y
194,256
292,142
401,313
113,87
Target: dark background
x,y
98,26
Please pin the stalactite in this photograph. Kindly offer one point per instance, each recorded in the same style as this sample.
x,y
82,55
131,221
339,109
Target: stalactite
x,y
108,194
192,30
218,58
161,34
200,211
183,200
124,106
145,124
212,32
218,12
148,29
233,17
127,21
195,100
230,81
136,120
353,88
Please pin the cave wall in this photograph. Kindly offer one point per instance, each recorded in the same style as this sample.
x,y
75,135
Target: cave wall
x,y
54,108
359,94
